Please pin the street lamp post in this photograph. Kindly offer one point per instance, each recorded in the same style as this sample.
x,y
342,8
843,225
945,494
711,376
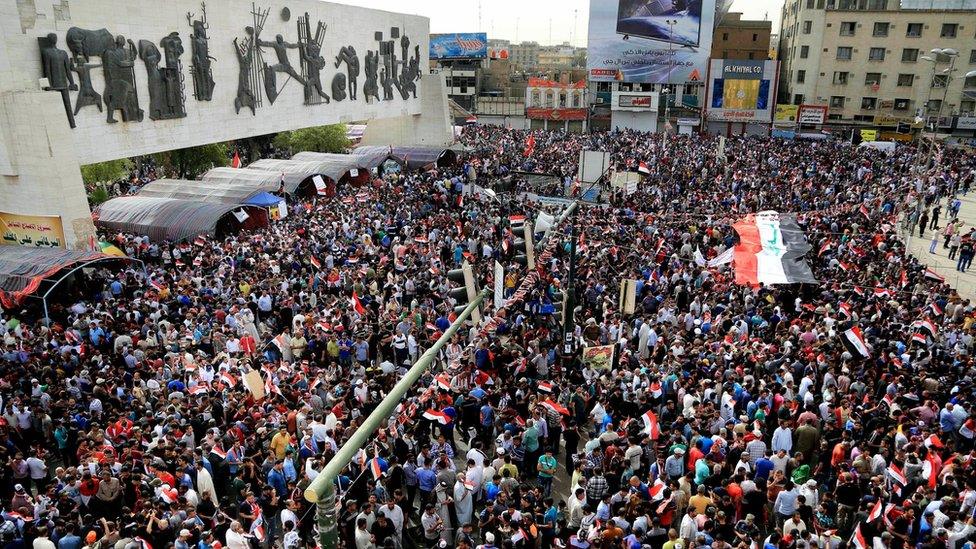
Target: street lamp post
x,y
667,97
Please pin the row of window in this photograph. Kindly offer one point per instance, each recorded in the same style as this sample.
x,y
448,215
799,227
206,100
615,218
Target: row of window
x,y
842,78
871,103
882,29
908,55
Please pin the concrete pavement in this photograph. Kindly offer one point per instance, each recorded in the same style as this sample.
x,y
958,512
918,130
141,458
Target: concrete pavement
x,y
964,283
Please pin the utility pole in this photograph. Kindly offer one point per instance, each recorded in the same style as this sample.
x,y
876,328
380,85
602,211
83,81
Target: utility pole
x,y
667,103
322,490
569,324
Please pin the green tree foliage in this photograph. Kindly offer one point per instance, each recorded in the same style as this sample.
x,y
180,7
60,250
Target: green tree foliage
x,y
190,162
97,196
106,172
326,139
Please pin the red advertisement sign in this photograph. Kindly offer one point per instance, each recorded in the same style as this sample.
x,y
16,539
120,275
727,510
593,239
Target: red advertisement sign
x,y
555,114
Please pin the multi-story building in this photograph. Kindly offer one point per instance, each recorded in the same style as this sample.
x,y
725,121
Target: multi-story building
x,y
738,38
872,60
556,57
524,56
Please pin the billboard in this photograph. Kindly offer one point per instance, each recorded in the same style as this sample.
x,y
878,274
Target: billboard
x,y
740,90
812,114
786,114
460,45
649,41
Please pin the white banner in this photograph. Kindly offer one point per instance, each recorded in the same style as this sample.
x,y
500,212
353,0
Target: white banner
x,y
499,285
319,184
723,258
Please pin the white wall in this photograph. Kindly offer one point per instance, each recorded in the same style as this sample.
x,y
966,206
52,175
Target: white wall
x,y
641,121
206,122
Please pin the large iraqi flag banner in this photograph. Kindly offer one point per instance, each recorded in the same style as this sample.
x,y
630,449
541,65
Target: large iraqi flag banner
x,y
770,250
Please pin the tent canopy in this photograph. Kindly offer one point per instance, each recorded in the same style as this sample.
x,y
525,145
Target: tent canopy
x,y
22,268
162,218
373,156
418,157
216,191
331,169
336,166
258,180
264,200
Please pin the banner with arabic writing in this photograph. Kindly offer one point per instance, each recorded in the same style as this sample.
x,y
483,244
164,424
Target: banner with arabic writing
x,y
44,231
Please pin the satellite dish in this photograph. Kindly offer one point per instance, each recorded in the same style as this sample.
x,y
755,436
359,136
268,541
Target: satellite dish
x,y
285,14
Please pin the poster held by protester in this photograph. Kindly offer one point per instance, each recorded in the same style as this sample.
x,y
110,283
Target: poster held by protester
x,y
599,357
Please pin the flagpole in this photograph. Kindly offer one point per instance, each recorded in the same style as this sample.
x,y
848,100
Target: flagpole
x,y
322,490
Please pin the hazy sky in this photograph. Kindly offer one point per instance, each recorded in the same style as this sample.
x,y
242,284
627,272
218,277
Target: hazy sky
x,y
528,19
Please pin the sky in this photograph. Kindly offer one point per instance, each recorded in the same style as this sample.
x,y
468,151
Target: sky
x,y
545,21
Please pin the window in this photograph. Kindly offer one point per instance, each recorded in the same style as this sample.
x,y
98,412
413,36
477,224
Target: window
x,y
869,103
840,78
901,104
755,37
909,55
752,55
844,53
881,29
809,4
725,36
848,28
935,105
801,76
798,98
906,79
872,78
969,83
805,52
966,107
949,30
837,101
914,30
876,54
940,80
807,27
972,57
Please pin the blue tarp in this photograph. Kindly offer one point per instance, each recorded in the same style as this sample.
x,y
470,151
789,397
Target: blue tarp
x,y
264,200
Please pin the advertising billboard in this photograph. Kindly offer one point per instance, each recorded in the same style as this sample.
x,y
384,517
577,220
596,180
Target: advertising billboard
x,y
460,45
649,41
812,114
786,114
740,90
43,231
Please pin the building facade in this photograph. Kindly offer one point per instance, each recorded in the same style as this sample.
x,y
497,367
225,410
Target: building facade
x,y
737,38
871,61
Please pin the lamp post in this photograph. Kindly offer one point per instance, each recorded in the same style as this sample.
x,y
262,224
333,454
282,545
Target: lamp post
x,y
667,98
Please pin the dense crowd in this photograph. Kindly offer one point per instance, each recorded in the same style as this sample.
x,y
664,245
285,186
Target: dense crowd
x,y
190,405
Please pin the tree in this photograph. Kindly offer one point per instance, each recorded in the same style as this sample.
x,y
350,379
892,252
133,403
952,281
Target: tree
x,y
106,172
192,161
327,139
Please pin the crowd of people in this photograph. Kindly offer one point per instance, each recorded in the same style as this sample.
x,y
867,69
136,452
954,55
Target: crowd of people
x,y
190,404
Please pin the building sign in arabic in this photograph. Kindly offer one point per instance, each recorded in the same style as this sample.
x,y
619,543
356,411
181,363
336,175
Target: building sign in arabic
x,y
43,231
555,114
812,114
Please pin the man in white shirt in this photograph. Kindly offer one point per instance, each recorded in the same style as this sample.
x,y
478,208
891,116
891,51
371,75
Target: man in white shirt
x,y
394,514
235,537
689,527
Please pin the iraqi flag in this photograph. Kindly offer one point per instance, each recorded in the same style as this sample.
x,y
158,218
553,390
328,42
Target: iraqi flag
x,y
443,381
545,386
846,267
864,211
227,379
157,285
642,168
824,248
770,250
218,451
357,305
935,308
876,511
529,145
919,337
315,262
651,426
895,473
438,416
932,275
236,161
844,309
854,342
928,327
656,490
857,540
555,407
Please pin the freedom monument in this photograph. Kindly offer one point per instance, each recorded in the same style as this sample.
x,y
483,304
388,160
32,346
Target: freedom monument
x,y
89,81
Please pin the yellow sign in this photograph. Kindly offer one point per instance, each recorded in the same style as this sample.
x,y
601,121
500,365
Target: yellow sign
x,y
885,120
786,113
44,231
869,135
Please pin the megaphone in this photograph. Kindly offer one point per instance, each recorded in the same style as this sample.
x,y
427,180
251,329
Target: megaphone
x,y
543,222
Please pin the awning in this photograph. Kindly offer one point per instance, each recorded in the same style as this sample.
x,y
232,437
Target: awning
x,y
162,218
22,269
336,166
306,168
418,157
264,200
373,156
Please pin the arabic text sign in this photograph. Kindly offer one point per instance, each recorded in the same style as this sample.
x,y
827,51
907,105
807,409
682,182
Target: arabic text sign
x,y
32,230
462,45
812,114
